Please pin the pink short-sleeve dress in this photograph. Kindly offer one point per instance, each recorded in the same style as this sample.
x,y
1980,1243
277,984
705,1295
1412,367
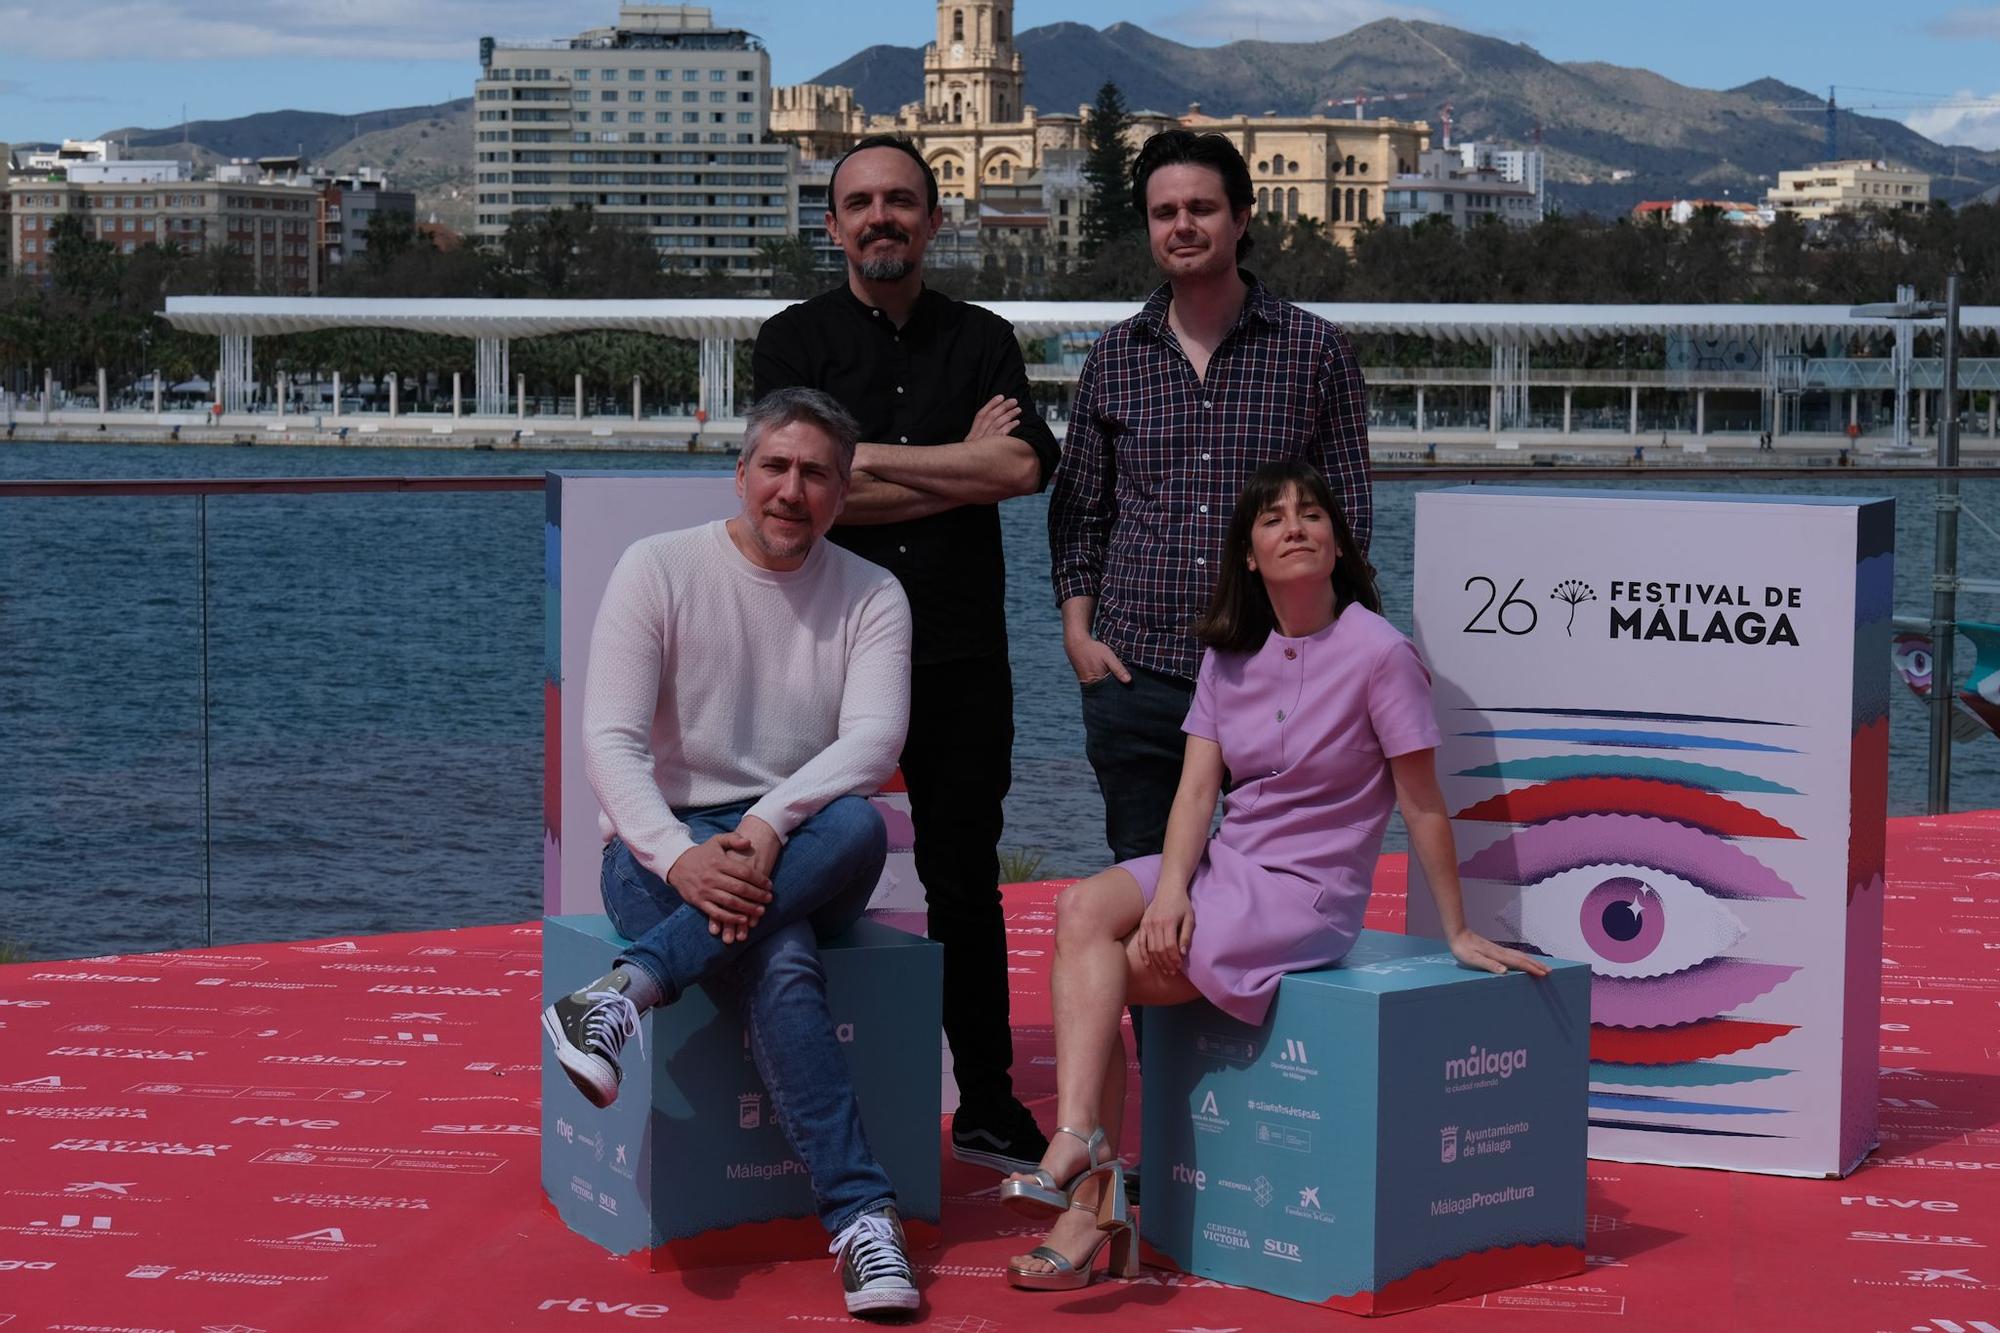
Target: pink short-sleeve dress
x,y
1307,727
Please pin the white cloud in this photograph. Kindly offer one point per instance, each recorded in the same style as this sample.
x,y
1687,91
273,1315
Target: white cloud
x,y
278,29
1288,20
1967,21
1966,126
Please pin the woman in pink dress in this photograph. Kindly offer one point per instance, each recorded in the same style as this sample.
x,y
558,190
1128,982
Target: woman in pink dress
x,y
1320,711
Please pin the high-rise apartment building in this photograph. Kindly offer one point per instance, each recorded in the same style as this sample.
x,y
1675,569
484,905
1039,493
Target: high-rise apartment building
x,y
658,124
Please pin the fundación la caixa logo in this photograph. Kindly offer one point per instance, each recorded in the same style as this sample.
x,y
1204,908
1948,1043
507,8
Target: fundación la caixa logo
x,y
1642,610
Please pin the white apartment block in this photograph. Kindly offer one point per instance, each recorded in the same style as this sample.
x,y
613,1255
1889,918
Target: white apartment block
x,y
659,123
1467,184
1827,188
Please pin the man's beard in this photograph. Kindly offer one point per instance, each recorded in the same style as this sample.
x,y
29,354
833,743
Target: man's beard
x,y
886,269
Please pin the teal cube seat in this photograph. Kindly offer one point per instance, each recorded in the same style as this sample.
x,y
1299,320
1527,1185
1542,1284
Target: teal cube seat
x,y
688,1168
1401,1131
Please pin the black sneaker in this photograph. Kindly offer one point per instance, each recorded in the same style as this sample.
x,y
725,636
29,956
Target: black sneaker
x,y
874,1265
588,1029
1002,1136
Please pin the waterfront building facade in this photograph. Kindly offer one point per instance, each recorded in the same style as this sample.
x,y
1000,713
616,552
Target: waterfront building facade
x,y
271,225
1826,188
659,123
971,124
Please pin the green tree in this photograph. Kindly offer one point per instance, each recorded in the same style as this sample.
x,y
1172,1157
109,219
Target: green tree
x,y
1110,217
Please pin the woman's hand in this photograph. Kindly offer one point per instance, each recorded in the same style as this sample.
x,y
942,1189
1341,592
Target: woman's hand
x,y
1166,930
1475,950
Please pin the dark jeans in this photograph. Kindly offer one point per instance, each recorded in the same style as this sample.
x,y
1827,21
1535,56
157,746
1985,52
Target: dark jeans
x,y
958,764
1132,736
775,981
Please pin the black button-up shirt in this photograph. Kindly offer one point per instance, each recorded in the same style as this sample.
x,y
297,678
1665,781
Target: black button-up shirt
x,y
919,384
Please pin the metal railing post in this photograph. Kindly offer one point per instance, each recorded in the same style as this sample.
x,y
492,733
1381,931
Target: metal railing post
x,y
1944,575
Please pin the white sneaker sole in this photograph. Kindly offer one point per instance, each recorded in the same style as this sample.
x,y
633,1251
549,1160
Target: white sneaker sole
x,y
592,1075
993,1161
870,1300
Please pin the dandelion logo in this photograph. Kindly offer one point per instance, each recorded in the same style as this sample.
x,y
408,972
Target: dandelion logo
x,y
1575,592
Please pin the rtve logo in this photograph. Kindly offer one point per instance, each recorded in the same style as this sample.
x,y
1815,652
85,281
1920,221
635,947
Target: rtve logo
x,y
1877,1201
584,1305
1186,1175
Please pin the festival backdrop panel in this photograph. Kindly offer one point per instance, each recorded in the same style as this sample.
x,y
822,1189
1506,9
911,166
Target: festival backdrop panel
x,y
591,518
1665,753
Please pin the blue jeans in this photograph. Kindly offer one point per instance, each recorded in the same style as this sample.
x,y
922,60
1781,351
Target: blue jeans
x,y
775,981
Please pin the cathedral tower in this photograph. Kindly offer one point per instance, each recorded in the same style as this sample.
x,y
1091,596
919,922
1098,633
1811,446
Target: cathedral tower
x,y
972,73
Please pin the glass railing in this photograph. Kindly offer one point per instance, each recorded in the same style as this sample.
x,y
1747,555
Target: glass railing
x,y
293,706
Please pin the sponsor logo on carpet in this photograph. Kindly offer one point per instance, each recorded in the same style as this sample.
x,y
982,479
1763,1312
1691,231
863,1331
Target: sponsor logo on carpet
x,y
79,1112
1914,1238
126,1053
532,1131
256,1093
48,1083
284,1122
473,991
624,1309
109,978
145,1147
388,1202
324,1240
350,1060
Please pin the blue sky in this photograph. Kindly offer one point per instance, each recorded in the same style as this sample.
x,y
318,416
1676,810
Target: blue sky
x,y
85,66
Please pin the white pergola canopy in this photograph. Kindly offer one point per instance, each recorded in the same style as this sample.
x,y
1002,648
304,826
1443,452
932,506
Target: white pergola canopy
x,y
1528,325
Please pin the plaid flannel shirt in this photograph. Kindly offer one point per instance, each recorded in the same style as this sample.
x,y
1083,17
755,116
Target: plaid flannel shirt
x,y
1155,458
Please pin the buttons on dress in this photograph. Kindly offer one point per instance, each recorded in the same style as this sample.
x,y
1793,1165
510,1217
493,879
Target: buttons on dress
x,y
1290,653
1281,715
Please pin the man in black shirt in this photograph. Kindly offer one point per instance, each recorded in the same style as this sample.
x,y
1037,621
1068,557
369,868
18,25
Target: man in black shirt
x,y
940,391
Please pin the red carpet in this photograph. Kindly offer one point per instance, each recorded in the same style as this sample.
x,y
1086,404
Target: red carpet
x,y
342,1136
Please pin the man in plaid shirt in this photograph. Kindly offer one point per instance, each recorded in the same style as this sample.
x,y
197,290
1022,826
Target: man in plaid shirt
x,y
1175,407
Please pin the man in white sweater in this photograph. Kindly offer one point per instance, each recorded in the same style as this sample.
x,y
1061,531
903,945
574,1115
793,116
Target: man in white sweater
x,y
749,685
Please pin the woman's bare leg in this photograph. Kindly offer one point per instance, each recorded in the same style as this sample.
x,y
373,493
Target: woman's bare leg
x,y
1094,974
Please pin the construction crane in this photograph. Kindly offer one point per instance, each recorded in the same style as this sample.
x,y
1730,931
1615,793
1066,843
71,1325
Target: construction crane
x,y
1832,108
1360,101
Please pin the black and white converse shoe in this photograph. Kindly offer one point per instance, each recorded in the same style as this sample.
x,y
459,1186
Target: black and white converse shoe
x,y
874,1265
588,1029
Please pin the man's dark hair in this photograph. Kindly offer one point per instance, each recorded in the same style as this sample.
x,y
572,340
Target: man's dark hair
x,y
902,144
1184,147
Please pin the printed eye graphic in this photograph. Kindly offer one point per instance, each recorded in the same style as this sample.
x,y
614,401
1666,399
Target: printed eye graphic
x,y
1625,920
1911,656
1642,900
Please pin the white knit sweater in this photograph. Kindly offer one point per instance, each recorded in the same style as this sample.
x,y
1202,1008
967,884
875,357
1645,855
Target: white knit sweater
x,y
712,681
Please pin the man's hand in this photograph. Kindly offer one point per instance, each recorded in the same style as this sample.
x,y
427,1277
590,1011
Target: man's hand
x,y
1167,930
998,417
765,844
1093,660
719,879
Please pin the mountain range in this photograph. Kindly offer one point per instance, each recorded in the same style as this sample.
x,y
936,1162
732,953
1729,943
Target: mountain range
x,y
1591,119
